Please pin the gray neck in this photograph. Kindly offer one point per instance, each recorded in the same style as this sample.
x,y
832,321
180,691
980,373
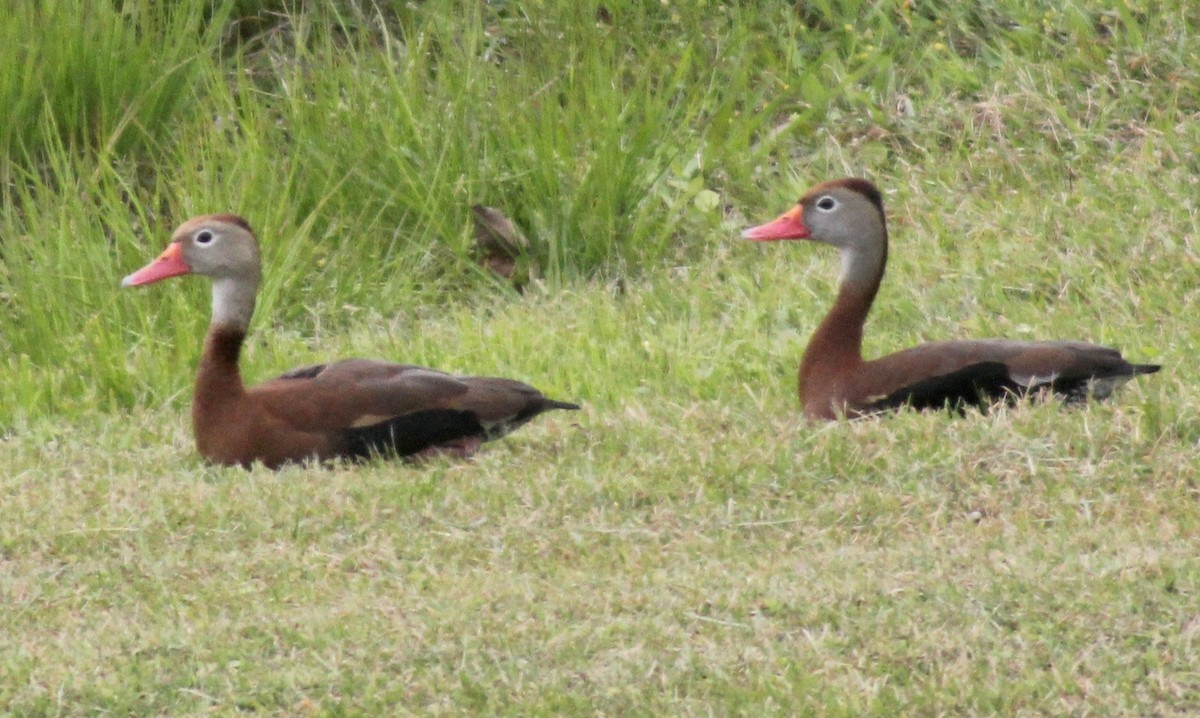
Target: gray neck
x,y
233,301
863,265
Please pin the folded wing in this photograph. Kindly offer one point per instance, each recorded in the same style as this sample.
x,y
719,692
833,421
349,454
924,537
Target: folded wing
x,y
378,407
981,373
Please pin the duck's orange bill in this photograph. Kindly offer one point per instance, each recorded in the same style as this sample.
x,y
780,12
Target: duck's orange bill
x,y
790,225
169,264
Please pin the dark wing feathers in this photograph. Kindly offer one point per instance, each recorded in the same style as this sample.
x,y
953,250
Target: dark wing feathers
x,y
411,433
978,385
379,407
1001,370
303,372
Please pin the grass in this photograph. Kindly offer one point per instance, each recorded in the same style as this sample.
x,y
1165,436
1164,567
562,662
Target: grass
x,y
687,544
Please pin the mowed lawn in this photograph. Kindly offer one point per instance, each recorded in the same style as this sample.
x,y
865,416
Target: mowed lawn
x,y
687,544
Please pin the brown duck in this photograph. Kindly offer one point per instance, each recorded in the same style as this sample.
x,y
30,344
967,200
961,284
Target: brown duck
x,y
834,378
353,408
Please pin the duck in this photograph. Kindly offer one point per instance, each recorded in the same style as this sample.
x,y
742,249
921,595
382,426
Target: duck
x,y
835,380
348,409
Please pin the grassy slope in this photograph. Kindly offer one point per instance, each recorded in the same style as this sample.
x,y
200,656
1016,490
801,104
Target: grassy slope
x,y
686,544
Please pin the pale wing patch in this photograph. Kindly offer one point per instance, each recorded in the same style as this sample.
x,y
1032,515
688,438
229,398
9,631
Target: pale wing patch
x,y
1034,380
371,420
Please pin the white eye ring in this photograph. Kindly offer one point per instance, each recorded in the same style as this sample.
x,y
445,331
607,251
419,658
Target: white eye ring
x,y
204,236
827,204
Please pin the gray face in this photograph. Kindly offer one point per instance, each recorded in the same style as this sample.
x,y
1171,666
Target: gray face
x,y
219,249
843,218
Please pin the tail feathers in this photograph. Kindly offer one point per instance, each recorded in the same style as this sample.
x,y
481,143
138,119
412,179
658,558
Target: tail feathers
x,y
1145,369
500,428
555,404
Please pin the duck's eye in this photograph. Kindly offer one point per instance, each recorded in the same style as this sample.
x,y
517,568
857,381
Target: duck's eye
x,y
827,204
204,236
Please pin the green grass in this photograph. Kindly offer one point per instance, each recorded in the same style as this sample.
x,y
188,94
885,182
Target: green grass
x,y
687,544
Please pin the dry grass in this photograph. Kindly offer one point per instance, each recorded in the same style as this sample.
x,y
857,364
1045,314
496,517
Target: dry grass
x,y
660,553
